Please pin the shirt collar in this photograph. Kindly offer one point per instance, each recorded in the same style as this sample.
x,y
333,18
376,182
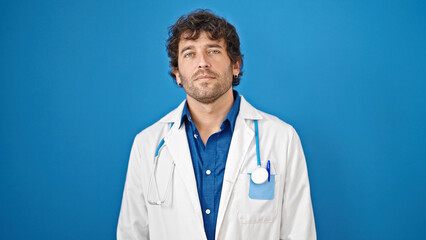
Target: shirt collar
x,y
231,117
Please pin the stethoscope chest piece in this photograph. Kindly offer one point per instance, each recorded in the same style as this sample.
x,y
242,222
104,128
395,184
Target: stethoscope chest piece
x,y
259,175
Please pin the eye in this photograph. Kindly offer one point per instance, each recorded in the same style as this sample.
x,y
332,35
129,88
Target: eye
x,y
214,51
187,55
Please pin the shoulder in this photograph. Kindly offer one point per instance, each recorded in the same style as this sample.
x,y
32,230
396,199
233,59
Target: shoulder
x,y
268,122
274,126
275,122
154,133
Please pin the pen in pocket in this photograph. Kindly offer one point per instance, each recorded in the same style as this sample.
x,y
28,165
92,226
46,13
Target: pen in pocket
x,y
268,168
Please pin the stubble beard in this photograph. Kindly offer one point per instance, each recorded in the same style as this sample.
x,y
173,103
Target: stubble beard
x,y
207,92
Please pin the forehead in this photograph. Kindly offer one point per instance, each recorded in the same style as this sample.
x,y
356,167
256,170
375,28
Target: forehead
x,y
204,39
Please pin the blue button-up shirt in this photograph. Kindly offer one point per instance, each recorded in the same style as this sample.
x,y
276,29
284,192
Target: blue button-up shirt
x,y
209,162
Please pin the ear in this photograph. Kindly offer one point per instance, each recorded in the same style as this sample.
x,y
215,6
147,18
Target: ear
x,y
176,72
236,67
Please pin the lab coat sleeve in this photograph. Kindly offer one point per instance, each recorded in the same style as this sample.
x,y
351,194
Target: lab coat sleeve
x,y
297,221
133,220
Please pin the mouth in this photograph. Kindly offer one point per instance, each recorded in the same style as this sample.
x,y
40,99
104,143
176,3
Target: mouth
x,y
204,78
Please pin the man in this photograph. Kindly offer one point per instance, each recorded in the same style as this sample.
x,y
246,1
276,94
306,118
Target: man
x,y
215,167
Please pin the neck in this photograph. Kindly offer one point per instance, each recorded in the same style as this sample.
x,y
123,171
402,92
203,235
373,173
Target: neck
x,y
209,117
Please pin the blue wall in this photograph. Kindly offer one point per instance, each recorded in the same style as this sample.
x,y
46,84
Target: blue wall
x,y
79,79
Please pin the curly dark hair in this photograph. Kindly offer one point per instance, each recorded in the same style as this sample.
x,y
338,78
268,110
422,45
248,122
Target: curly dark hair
x,y
204,20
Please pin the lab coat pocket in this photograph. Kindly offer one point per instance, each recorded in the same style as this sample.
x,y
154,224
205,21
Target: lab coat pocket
x,y
263,191
256,204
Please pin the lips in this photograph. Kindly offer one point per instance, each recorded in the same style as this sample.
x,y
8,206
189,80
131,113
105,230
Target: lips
x,y
204,77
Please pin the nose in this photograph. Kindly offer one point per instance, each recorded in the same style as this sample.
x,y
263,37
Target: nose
x,y
203,61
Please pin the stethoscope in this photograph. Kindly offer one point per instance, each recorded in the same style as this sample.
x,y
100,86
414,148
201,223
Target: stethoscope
x,y
160,201
259,175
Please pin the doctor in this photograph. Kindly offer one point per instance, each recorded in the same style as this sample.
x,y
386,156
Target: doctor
x,y
215,167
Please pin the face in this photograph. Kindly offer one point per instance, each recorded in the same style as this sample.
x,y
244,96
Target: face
x,y
204,68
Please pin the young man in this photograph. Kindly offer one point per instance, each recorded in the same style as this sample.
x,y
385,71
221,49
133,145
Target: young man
x,y
215,167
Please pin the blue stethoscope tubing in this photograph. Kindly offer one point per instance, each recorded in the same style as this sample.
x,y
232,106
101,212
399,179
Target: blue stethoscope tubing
x,y
161,143
260,174
256,133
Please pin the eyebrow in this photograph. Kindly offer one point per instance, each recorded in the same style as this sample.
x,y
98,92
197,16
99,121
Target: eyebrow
x,y
192,46
214,46
186,48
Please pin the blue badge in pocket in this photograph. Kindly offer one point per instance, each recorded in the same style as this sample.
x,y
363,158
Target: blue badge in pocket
x,y
264,191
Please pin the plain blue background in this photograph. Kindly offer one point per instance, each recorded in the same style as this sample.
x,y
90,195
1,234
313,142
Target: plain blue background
x,y
79,79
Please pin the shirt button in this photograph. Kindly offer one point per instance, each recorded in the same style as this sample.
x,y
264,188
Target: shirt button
x,y
195,135
208,171
207,211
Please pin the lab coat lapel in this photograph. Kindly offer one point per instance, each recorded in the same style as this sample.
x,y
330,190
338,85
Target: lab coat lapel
x,y
242,137
177,143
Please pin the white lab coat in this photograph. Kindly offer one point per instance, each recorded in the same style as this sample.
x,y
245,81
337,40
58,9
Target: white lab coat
x,y
288,215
